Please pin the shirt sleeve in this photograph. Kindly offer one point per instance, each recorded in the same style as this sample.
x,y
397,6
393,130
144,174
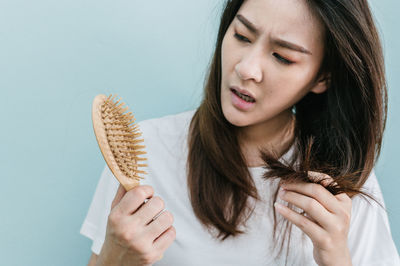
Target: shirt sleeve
x,y
95,223
370,240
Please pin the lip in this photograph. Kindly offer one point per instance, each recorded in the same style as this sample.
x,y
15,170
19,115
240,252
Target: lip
x,y
241,104
242,91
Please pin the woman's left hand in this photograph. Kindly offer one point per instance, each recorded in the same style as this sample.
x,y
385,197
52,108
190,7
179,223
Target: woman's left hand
x,y
327,221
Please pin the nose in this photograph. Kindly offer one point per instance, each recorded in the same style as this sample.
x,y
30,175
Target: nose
x,y
250,67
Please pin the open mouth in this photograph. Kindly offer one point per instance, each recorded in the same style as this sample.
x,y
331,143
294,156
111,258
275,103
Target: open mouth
x,y
244,97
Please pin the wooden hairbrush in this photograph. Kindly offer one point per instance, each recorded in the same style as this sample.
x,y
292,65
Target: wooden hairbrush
x,y
118,138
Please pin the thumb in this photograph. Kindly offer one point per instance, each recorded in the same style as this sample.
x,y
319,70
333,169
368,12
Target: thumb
x,y
317,176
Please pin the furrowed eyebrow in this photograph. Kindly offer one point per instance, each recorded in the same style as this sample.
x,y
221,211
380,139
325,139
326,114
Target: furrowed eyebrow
x,y
291,46
250,26
279,42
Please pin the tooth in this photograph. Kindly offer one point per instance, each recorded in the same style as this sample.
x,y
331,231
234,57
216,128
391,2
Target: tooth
x,y
244,96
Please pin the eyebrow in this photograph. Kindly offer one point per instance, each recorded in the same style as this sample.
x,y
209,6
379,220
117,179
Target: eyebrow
x,y
252,28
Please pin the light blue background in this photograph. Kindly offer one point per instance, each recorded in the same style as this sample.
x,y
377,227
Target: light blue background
x,y
55,56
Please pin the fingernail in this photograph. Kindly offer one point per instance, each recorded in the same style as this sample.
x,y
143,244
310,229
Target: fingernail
x,y
277,205
282,191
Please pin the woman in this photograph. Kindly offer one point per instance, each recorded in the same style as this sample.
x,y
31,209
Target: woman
x,y
295,101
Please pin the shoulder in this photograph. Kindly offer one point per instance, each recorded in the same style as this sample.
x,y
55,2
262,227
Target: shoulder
x,y
168,124
165,139
166,133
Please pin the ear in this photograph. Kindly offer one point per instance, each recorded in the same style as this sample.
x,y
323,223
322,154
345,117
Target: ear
x,y
322,84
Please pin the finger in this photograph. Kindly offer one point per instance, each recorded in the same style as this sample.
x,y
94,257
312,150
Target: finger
x,y
312,207
345,200
343,197
160,224
311,229
162,242
318,192
146,213
317,176
118,196
134,198
309,217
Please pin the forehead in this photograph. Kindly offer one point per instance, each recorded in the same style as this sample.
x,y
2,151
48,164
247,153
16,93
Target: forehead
x,y
291,20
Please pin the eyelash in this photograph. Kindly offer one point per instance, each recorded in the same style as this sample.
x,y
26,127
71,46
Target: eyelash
x,y
280,58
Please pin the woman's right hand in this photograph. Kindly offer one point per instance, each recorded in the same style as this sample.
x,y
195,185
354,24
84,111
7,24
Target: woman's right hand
x,y
132,236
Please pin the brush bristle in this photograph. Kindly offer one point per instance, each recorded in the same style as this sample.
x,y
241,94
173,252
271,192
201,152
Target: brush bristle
x,y
123,137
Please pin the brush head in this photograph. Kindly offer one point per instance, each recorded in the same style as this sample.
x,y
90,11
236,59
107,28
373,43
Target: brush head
x,y
118,138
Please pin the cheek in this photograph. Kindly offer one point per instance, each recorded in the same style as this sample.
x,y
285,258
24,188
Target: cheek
x,y
226,56
292,80
285,88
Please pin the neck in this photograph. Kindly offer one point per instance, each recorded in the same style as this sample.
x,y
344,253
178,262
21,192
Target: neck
x,y
276,134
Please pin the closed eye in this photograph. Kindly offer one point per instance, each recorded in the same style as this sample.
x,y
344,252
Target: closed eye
x,y
241,38
282,59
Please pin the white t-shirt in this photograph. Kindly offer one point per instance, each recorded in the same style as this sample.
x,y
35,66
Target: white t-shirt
x,y
369,239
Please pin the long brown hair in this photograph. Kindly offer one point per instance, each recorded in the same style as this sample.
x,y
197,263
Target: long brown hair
x,y
338,132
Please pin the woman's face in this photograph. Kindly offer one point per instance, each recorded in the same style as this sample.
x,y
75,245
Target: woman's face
x,y
276,62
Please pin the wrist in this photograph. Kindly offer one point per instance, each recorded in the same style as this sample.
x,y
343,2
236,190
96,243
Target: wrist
x,y
341,259
109,256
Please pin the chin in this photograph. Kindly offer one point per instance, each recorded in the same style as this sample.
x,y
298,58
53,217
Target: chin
x,y
235,117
